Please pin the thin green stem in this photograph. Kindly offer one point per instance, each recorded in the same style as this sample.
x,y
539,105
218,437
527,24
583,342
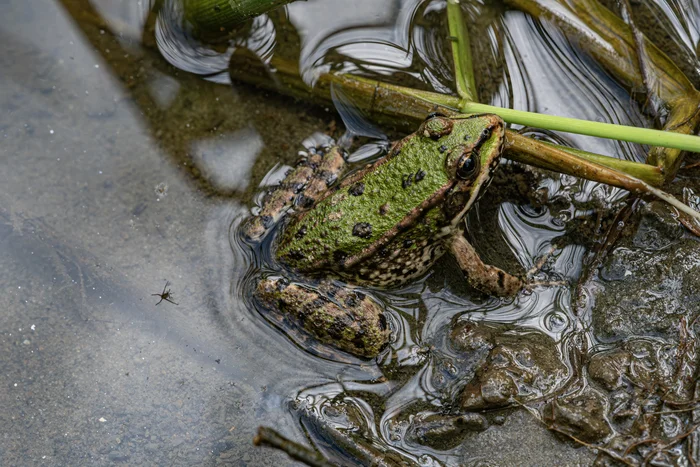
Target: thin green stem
x,y
461,52
648,136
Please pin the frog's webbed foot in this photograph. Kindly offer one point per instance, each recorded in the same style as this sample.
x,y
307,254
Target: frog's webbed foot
x,y
484,277
301,188
346,319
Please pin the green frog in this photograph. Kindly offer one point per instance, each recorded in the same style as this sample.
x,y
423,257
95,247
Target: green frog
x,y
379,226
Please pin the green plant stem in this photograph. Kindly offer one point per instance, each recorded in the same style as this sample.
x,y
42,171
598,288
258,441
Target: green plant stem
x,y
462,56
559,158
585,127
404,108
463,73
612,43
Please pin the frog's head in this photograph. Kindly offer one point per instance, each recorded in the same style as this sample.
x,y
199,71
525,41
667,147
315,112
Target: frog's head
x,y
471,158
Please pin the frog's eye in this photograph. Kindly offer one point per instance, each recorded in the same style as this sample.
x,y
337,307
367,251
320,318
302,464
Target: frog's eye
x,y
467,164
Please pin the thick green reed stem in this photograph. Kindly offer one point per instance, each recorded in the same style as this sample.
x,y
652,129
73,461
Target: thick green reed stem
x,y
403,108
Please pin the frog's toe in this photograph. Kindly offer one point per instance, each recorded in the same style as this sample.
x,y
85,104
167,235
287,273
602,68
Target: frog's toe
x,y
350,321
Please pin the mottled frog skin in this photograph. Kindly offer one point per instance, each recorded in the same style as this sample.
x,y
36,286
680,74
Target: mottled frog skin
x,y
380,226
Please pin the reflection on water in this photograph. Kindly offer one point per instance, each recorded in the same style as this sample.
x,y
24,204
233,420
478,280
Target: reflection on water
x,y
96,125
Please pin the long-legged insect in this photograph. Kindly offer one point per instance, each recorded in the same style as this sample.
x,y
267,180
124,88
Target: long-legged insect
x,y
165,295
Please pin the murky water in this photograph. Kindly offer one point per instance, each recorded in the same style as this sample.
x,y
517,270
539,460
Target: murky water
x,y
123,173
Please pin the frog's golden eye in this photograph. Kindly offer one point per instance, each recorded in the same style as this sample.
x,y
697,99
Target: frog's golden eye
x,y
467,164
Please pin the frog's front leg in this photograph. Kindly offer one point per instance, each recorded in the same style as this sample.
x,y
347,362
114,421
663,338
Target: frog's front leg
x,y
346,319
301,188
484,277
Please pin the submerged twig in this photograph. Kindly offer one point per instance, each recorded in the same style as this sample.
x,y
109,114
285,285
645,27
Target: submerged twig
x,y
268,437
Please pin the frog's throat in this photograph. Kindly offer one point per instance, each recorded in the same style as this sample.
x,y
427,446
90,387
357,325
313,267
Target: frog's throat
x,y
474,194
413,215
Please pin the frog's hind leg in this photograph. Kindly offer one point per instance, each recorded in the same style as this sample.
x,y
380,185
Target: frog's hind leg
x,y
344,318
302,186
484,277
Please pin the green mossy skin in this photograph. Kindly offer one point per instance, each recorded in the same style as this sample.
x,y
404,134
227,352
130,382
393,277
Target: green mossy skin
x,y
323,236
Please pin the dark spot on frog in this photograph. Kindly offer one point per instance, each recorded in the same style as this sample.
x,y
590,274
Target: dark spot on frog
x,y
359,340
420,175
339,256
360,296
351,301
406,180
296,187
300,233
295,255
217,8
442,148
383,252
407,243
501,278
357,189
304,201
362,230
384,209
467,137
382,322
339,326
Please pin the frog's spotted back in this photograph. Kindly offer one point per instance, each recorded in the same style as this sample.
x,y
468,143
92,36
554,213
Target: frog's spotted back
x,y
373,206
